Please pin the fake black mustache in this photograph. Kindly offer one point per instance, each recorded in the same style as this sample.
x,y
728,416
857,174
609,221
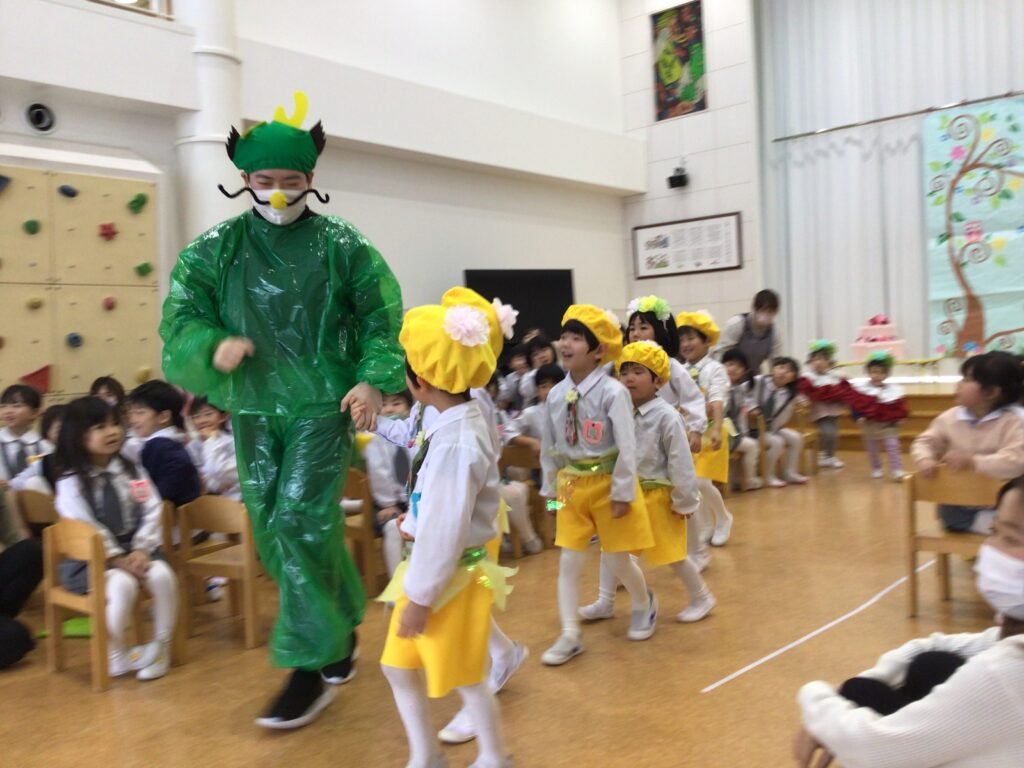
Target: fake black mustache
x,y
323,198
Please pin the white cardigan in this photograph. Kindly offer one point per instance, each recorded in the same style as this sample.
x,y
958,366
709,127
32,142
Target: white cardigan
x,y
973,720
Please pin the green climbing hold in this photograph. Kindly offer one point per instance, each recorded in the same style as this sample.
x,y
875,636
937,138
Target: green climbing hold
x,y
137,203
143,269
31,226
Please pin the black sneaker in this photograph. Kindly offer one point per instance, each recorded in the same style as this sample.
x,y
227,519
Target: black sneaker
x,y
341,672
304,697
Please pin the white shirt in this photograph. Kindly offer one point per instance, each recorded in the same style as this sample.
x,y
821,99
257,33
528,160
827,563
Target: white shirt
x,y
738,404
215,459
31,442
683,393
663,453
388,490
973,720
72,504
31,478
529,423
133,444
454,505
886,393
604,421
711,377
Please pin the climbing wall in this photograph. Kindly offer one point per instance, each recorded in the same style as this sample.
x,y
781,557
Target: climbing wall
x,y
78,285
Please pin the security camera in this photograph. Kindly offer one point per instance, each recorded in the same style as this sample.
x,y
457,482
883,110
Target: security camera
x,y
40,117
678,178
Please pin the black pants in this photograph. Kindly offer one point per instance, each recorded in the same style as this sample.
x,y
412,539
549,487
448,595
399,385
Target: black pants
x,y
21,570
926,671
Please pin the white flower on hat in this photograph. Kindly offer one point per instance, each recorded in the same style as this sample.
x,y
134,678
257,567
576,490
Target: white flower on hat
x,y
466,325
648,341
613,318
506,317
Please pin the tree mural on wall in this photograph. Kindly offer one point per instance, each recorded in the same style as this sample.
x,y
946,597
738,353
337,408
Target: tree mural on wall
x,y
982,174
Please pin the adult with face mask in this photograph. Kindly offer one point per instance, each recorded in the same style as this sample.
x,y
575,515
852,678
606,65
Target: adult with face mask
x,y
948,700
753,333
289,320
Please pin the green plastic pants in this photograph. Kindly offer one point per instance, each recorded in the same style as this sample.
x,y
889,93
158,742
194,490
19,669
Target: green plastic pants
x,y
292,473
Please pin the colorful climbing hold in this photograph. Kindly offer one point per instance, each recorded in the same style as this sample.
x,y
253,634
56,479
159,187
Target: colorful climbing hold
x,y
74,340
4,181
34,303
31,226
108,231
39,378
143,269
109,303
67,190
144,374
137,203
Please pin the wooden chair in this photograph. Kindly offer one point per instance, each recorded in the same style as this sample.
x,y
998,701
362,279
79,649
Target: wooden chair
x,y
524,458
809,455
967,489
235,562
360,533
78,540
37,508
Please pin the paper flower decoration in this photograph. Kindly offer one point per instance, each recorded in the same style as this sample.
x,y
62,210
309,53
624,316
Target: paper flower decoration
x,y
507,316
572,396
654,304
466,325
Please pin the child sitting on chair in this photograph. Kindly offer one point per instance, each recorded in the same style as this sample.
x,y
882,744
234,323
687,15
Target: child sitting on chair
x,y
101,487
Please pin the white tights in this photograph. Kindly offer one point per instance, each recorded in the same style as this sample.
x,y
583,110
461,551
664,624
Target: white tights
x,y
410,690
517,496
122,593
570,569
684,569
790,441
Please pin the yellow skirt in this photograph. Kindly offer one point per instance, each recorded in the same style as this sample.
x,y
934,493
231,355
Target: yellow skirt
x,y
587,509
452,649
669,529
714,465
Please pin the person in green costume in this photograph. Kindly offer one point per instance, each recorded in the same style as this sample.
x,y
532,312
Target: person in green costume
x,y
289,320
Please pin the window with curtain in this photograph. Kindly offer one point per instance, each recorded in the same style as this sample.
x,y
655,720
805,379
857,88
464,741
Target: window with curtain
x,y
844,232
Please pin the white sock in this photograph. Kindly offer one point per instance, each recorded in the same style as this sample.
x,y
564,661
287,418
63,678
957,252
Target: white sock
x,y
749,447
392,546
691,578
517,496
632,578
711,500
570,569
499,648
122,592
410,691
163,587
608,583
482,707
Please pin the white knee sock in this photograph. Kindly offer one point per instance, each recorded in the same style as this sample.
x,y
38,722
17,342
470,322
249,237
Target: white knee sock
x,y
711,503
482,707
794,446
410,691
632,578
517,496
392,546
690,576
122,592
163,587
750,448
608,583
570,568
499,647
775,446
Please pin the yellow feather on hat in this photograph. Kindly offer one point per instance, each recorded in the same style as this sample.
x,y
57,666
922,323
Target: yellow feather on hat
x,y
650,355
452,346
702,321
600,322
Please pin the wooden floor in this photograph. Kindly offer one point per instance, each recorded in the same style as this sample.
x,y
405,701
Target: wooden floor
x,y
799,558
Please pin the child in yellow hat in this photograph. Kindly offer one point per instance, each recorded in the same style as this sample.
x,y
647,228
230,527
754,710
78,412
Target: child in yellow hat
x,y
588,457
698,333
444,590
667,477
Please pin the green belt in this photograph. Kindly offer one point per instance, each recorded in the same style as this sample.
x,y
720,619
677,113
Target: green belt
x,y
653,484
602,465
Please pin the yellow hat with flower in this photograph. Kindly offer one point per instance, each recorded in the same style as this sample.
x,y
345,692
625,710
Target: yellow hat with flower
x,y
451,346
600,322
650,355
702,321
506,316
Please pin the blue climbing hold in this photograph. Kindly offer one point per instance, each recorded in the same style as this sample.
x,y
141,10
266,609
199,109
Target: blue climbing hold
x,y
75,340
4,181
67,190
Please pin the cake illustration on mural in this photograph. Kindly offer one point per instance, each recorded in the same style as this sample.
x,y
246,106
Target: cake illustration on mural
x,y
878,335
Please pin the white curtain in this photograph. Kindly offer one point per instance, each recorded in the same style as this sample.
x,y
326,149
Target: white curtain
x,y
844,225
